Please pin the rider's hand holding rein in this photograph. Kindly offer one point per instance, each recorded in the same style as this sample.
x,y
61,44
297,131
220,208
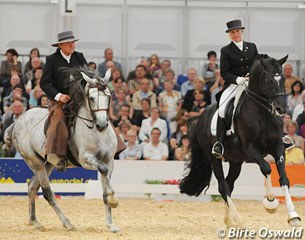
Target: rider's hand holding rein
x,y
64,98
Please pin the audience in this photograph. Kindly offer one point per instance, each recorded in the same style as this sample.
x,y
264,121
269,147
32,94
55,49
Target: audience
x,y
189,84
140,115
208,71
133,150
295,97
102,67
183,153
144,92
289,78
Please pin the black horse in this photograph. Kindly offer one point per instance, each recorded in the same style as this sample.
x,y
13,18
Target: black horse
x,y
258,131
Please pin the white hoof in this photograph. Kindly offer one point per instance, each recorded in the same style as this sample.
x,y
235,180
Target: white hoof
x,y
36,224
270,205
112,201
113,228
294,220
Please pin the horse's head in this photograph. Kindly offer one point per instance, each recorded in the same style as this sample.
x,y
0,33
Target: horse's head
x,y
267,81
98,98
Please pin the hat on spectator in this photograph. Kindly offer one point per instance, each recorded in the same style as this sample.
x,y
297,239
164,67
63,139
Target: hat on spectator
x,y
63,37
235,24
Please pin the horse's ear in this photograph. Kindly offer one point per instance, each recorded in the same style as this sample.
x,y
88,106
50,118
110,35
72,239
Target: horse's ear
x,y
107,76
282,60
88,79
263,62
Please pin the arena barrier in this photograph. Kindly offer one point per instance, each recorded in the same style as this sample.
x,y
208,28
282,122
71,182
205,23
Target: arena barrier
x,y
131,178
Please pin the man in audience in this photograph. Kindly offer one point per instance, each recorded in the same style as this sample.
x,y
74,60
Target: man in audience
x,y
189,85
289,78
133,150
134,84
15,95
108,55
155,149
124,114
143,92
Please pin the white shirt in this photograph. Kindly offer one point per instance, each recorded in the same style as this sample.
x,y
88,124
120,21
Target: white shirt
x,y
239,45
155,152
146,128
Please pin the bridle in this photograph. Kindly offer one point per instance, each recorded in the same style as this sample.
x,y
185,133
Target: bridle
x,y
267,104
99,87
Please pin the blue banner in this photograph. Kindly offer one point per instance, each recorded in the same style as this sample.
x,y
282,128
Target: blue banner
x,y
16,171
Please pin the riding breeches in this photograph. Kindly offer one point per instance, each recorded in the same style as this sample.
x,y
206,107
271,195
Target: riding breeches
x,y
57,132
232,91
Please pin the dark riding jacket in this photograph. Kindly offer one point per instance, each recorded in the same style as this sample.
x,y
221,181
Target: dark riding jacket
x,y
236,63
54,80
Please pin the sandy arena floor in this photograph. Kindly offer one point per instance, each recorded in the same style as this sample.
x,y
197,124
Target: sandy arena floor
x,y
137,218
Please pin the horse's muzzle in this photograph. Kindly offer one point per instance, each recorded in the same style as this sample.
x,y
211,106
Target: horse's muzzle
x,y
101,128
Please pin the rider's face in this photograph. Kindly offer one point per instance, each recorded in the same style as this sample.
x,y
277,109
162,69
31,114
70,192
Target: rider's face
x,y
236,35
67,48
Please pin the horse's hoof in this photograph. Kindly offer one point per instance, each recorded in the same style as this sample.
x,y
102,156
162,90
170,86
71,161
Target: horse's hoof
x,y
113,228
230,223
36,224
69,226
270,205
294,220
112,201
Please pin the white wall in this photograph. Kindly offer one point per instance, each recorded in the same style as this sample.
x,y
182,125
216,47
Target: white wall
x,y
181,30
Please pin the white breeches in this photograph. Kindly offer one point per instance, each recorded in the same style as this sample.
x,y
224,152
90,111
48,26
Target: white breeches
x,y
230,92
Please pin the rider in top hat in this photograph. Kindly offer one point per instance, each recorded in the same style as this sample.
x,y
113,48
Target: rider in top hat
x,y
235,62
55,83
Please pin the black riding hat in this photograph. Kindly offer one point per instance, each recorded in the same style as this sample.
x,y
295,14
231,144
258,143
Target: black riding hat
x,y
235,24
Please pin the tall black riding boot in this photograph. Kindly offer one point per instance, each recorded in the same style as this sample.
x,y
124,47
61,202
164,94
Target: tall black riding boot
x,y
218,148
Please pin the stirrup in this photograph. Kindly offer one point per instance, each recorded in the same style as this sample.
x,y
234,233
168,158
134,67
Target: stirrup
x,y
218,154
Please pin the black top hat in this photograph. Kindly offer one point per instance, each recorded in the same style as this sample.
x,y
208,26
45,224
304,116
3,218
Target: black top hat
x,y
66,36
235,24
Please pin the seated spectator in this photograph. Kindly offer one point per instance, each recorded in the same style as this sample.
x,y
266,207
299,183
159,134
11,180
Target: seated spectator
x,y
295,97
117,80
155,149
153,64
175,139
189,84
170,75
170,101
122,99
298,109
189,98
135,83
182,114
43,101
36,94
159,75
14,80
294,155
132,74
33,53
198,105
143,92
183,153
91,66
108,55
133,150
115,85
154,121
123,128
35,64
124,114
140,115
35,81
15,95
289,78
208,71
286,120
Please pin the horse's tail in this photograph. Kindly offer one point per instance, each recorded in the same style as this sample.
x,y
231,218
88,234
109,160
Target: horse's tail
x,y
8,138
198,171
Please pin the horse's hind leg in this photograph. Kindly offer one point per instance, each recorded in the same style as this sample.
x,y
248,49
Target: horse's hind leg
x,y
42,175
225,191
108,195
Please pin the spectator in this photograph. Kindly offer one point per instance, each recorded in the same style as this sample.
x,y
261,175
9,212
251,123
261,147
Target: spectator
x,y
140,115
124,114
295,97
143,62
6,66
298,109
36,94
159,75
143,92
15,95
183,153
217,86
289,78
35,64
91,66
294,155
175,139
114,86
133,150
182,114
189,98
108,55
155,149
14,80
35,81
208,71
43,101
169,101
153,64
189,85
286,120
154,121
170,75
198,105
121,99
134,84
123,128
33,53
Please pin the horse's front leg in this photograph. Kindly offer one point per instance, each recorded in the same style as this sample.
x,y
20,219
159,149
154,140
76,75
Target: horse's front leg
x,y
279,156
270,202
225,191
110,201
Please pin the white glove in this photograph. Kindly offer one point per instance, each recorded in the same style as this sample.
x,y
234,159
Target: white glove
x,y
240,80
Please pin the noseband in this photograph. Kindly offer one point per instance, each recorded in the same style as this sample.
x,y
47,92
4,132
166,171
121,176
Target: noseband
x,y
267,104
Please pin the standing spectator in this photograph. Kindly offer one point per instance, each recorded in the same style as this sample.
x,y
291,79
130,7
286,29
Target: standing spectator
x,y
189,84
6,66
108,55
140,115
154,121
155,149
208,71
33,53
133,150
169,101
289,78
183,153
144,92
295,97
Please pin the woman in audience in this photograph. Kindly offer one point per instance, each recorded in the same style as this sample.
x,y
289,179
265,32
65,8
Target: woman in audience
x,y
36,94
286,120
115,104
140,115
123,128
154,64
295,97
33,53
183,153
182,114
133,150
175,139
198,105
43,101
